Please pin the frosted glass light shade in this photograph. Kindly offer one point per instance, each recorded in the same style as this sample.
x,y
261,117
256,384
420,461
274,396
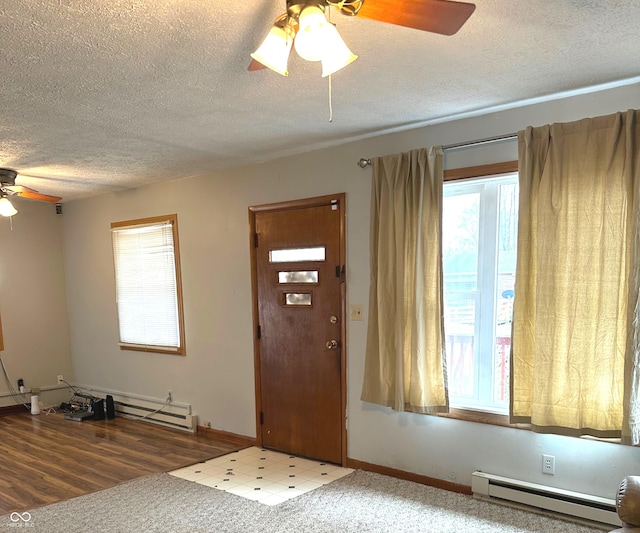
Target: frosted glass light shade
x,y
336,54
6,208
274,51
312,33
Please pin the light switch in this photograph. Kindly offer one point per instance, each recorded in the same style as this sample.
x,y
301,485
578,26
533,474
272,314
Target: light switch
x,y
356,312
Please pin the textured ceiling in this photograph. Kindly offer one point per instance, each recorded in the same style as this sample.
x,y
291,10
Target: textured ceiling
x,y
105,95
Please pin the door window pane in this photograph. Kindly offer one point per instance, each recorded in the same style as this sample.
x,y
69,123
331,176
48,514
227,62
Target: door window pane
x,y
297,298
290,255
298,276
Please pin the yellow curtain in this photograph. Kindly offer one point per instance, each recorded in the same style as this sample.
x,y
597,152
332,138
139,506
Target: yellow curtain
x,y
405,364
575,309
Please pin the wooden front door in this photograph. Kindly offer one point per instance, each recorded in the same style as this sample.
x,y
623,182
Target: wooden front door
x,y
298,264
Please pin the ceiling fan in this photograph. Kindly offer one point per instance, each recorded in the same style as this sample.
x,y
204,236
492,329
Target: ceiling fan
x,y
305,27
8,188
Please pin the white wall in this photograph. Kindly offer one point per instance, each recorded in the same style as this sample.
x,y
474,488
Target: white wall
x,y
216,376
33,302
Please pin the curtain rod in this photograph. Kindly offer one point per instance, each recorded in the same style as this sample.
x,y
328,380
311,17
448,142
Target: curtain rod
x,y
363,163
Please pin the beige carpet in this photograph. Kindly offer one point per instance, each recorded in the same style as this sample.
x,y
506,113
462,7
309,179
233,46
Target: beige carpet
x,y
359,502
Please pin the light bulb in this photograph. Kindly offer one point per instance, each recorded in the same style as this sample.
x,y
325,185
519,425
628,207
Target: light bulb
x,y
310,39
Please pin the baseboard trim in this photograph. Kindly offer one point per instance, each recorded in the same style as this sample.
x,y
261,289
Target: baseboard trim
x,y
409,476
17,409
225,435
351,463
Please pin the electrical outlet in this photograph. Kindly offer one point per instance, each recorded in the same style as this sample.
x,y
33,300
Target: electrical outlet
x,y
169,395
548,464
206,424
60,379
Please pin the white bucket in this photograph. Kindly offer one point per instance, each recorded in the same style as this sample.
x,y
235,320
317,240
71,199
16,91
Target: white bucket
x,y
35,405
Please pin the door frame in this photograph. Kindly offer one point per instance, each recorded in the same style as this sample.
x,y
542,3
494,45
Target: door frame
x,y
283,206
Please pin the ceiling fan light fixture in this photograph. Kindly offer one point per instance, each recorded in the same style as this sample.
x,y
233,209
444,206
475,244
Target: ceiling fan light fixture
x,y
337,54
6,207
274,51
313,33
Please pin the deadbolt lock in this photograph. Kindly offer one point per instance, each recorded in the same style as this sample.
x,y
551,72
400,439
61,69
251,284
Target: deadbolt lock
x,y
333,319
332,344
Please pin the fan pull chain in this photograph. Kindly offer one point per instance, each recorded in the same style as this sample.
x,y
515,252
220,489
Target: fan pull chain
x,y
330,77
330,100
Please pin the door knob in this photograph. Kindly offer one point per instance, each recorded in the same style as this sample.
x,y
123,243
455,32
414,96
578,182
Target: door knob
x,y
332,344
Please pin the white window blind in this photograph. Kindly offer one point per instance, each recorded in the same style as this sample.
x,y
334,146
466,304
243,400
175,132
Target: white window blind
x,y
147,286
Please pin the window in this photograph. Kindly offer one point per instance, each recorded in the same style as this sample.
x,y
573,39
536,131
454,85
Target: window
x,y
298,276
289,255
148,285
479,226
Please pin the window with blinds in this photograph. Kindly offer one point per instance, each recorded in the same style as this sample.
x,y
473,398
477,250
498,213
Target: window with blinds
x,y
148,285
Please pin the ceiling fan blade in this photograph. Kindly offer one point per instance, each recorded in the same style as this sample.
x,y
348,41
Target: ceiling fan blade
x,y
438,16
255,65
26,192
16,189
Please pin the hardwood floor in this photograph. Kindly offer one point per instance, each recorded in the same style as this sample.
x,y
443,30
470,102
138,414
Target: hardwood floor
x,y
46,459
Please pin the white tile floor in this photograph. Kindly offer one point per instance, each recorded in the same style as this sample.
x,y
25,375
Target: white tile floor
x,y
262,475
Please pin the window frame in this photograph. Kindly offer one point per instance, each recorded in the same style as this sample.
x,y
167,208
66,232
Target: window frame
x,y
479,171
173,220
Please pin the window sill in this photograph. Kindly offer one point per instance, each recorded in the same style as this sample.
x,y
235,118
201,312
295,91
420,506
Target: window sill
x,y
482,418
152,349
493,419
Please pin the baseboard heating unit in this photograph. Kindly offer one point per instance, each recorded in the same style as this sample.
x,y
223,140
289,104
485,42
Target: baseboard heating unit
x,y
175,415
171,416
574,505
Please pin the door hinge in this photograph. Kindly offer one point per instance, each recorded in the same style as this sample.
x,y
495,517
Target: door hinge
x,y
255,240
335,204
341,272
259,332
261,418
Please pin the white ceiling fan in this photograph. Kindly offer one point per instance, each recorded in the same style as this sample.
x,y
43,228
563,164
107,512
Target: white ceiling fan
x,y
305,27
9,188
